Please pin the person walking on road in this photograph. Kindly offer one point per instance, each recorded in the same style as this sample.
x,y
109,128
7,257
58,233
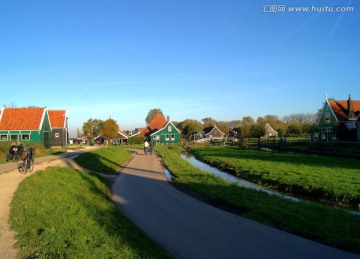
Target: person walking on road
x,y
151,148
146,145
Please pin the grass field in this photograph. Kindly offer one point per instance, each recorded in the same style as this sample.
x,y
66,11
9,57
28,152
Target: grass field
x,y
315,221
64,213
329,179
105,160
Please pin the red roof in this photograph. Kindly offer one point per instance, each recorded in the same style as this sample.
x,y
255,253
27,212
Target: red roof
x,y
156,124
340,108
21,118
57,118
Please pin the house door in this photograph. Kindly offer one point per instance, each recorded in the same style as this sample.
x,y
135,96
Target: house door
x,y
46,139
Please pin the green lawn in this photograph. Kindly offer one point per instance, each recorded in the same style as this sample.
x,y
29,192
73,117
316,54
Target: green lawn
x,y
334,180
65,213
319,222
105,160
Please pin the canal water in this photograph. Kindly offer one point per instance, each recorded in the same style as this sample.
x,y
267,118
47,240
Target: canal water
x,y
229,177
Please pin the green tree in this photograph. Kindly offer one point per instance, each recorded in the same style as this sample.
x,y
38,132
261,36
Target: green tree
x,y
257,130
294,128
152,114
189,127
244,131
92,127
261,120
110,129
247,121
234,124
271,118
209,122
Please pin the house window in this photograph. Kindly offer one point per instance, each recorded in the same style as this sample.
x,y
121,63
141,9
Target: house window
x,y
14,137
25,137
3,137
172,137
167,137
169,128
57,135
327,117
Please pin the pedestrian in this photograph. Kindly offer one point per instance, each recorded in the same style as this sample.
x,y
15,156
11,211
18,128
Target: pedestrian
x,y
151,148
12,151
146,145
20,148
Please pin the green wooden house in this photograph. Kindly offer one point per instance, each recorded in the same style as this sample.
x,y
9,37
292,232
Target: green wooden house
x,y
339,121
25,125
169,134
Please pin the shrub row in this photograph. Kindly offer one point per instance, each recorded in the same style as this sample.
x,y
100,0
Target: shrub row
x,y
5,146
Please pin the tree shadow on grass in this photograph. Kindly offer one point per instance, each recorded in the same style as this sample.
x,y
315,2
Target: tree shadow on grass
x,y
95,162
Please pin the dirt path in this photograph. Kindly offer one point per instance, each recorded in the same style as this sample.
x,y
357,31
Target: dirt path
x,y
9,182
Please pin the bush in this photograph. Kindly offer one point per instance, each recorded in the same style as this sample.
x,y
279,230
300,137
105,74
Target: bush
x,y
136,140
39,148
5,146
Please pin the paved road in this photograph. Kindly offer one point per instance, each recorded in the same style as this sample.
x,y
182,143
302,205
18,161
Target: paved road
x,y
188,228
13,165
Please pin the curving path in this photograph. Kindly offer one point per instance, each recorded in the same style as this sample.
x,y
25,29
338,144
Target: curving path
x,y
9,181
188,228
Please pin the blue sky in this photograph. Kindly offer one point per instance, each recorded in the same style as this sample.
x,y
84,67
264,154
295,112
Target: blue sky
x,y
192,59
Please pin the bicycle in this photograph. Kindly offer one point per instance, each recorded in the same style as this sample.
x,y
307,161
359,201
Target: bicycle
x,y
27,164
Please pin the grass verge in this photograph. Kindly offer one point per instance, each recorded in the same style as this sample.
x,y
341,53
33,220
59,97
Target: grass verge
x,y
106,160
318,222
332,180
64,213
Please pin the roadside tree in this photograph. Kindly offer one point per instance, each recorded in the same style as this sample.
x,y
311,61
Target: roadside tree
x,y
257,130
152,114
92,127
110,129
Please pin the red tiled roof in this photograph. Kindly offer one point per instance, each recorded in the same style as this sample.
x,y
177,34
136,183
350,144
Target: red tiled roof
x,y
156,124
21,118
340,108
57,118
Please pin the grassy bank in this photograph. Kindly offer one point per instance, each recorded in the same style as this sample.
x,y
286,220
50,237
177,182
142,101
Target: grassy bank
x,y
64,213
331,180
328,225
105,160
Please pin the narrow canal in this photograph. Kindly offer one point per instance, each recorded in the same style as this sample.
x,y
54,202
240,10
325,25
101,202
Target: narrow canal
x,y
229,177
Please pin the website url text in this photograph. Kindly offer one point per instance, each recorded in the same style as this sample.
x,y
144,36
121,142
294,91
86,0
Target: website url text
x,y
273,8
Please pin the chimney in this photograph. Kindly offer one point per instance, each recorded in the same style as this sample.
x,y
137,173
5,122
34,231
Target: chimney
x,y
168,118
351,112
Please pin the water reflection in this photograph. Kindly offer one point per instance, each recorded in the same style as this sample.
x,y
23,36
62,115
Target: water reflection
x,y
167,174
229,177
